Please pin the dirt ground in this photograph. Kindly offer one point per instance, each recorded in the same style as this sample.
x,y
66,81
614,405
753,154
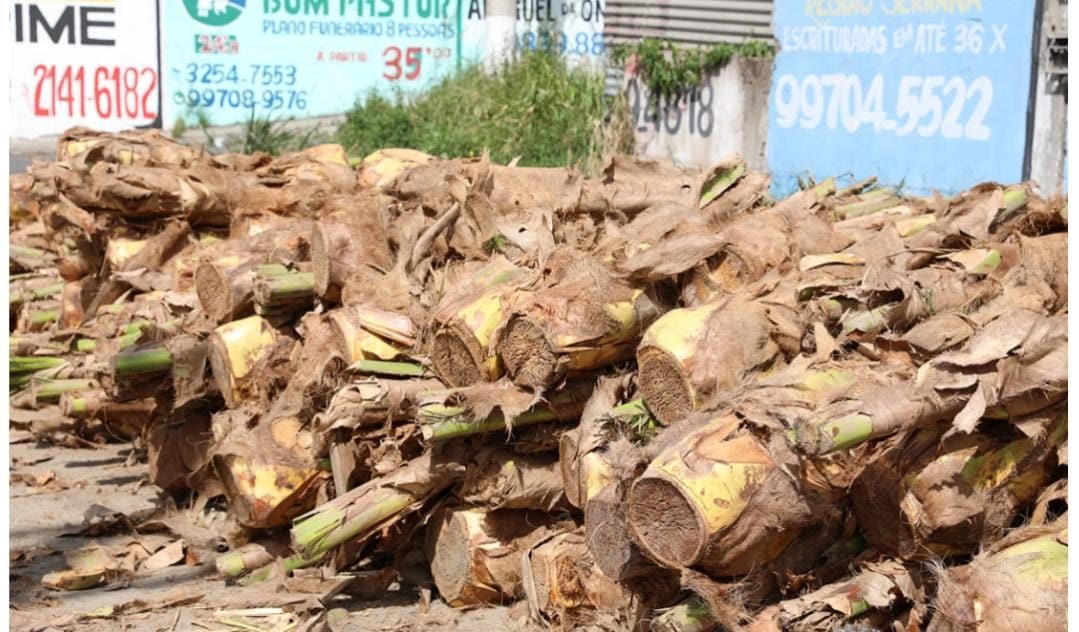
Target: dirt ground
x,y
55,490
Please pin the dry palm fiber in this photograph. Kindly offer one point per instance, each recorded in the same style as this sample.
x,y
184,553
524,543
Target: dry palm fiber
x,y
148,147
381,167
375,402
500,479
497,406
630,185
464,324
564,587
151,256
1019,583
179,450
957,281
972,215
225,276
690,355
315,373
346,239
475,553
932,494
1013,366
751,245
268,472
152,193
878,594
581,320
511,189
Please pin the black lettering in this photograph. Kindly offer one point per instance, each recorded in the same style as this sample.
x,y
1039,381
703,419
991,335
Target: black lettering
x,y
88,23
18,23
55,31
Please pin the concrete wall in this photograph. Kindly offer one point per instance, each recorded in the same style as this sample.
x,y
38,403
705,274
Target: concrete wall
x,y
1048,148
726,114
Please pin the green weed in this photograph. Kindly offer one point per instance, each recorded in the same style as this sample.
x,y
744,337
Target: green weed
x,y
534,107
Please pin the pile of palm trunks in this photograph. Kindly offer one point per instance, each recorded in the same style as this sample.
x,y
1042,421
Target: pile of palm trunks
x,y
659,398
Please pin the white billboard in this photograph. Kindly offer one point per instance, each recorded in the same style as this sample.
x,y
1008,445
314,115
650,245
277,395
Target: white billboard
x,y
83,62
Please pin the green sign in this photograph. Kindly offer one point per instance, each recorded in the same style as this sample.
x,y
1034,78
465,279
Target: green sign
x,y
215,12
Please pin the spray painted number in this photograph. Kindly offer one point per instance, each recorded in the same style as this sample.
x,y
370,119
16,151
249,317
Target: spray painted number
x,y
695,110
412,59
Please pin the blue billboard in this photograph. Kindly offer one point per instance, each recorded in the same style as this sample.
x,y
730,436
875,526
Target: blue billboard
x,y
929,94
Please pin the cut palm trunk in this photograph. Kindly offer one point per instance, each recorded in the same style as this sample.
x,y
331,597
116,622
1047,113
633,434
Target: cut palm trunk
x,y
236,349
49,390
146,193
928,495
225,280
703,503
500,479
381,501
125,420
1012,367
268,471
347,240
379,168
150,256
584,469
692,355
475,553
584,320
717,498
354,340
692,614
120,250
33,289
265,490
465,324
23,258
606,521
39,316
289,292
1021,583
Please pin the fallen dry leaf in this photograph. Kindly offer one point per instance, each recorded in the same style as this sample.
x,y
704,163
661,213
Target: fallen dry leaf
x,y
167,556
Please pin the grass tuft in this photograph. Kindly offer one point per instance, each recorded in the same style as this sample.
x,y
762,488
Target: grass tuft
x,y
535,106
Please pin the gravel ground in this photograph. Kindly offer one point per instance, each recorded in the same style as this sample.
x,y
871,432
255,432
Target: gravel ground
x,y
52,492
